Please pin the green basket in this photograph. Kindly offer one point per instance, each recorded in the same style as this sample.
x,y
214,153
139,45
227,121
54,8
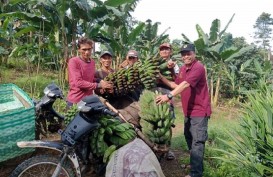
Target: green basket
x,y
17,121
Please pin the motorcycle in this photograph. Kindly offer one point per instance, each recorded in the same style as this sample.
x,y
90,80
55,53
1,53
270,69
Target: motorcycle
x,y
47,119
74,156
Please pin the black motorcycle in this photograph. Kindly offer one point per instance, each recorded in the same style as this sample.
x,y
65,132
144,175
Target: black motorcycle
x,y
73,150
47,119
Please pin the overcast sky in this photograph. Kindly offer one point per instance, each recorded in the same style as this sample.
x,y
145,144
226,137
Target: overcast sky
x,y
183,15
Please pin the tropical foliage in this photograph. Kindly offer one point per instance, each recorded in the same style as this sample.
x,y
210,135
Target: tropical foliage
x,y
251,145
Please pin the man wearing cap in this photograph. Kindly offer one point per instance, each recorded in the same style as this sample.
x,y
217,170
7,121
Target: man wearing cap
x,y
81,72
191,83
131,58
105,59
165,52
105,65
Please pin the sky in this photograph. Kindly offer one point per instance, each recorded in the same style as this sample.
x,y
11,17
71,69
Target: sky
x,y
183,15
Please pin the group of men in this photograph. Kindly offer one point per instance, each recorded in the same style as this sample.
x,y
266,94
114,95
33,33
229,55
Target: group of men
x,y
189,81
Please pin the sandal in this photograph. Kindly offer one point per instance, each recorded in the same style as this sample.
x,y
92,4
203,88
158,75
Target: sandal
x,y
170,155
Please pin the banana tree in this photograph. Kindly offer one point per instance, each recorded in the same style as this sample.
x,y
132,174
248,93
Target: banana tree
x,y
218,52
149,40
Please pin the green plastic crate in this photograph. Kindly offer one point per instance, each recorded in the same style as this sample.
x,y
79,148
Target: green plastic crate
x,y
17,121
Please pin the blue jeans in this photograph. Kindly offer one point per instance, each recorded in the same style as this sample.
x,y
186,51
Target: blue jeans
x,y
195,132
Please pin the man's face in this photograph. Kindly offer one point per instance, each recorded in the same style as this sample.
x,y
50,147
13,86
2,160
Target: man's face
x,y
132,60
106,60
188,57
85,51
165,52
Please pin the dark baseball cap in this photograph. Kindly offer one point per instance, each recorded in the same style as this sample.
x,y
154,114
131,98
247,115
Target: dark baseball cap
x,y
167,45
105,53
132,53
187,48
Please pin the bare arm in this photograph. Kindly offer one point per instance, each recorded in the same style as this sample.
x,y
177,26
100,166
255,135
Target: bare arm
x,y
178,89
182,86
167,82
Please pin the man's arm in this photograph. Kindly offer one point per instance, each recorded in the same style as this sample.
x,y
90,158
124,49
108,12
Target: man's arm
x,y
178,89
167,82
182,86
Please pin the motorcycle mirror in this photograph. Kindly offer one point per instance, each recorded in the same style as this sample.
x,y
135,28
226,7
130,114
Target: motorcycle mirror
x,y
53,90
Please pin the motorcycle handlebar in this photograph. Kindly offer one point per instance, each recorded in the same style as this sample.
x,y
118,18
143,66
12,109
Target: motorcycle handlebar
x,y
108,112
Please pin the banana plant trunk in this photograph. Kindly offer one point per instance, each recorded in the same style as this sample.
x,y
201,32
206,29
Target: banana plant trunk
x,y
217,89
64,61
211,89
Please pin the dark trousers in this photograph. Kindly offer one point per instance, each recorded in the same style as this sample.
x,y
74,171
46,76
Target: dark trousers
x,y
195,131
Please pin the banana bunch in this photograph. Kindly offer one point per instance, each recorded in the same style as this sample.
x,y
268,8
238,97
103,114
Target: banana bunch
x,y
133,76
156,120
110,136
149,71
70,114
164,70
125,80
141,74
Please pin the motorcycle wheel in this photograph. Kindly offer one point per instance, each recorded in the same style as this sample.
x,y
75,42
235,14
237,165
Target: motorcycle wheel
x,y
43,166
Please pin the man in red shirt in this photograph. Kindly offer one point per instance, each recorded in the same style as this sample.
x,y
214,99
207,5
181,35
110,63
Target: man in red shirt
x,y
191,83
81,71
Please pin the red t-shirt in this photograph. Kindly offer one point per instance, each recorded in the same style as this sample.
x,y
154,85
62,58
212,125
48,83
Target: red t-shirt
x,y
195,99
81,79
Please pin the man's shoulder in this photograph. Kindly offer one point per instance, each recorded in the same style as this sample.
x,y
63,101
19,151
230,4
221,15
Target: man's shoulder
x,y
74,59
198,65
124,64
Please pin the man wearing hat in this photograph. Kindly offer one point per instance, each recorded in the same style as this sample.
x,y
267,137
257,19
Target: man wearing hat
x,y
105,59
131,58
105,65
192,85
165,52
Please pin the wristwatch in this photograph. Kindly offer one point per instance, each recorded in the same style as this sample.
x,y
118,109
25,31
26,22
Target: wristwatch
x,y
170,96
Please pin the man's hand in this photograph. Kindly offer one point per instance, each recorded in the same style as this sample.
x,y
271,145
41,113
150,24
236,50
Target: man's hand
x,y
161,99
106,85
171,63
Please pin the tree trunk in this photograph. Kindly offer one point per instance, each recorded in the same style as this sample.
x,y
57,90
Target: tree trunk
x,y
217,89
211,89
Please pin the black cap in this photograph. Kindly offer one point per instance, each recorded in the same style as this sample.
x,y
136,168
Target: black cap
x,y
105,53
187,48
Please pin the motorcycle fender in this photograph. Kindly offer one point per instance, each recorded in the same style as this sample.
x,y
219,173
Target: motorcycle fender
x,y
51,145
41,144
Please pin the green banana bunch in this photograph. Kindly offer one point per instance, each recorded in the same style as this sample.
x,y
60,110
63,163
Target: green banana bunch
x,y
156,120
164,70
141,74
110,134
70,114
